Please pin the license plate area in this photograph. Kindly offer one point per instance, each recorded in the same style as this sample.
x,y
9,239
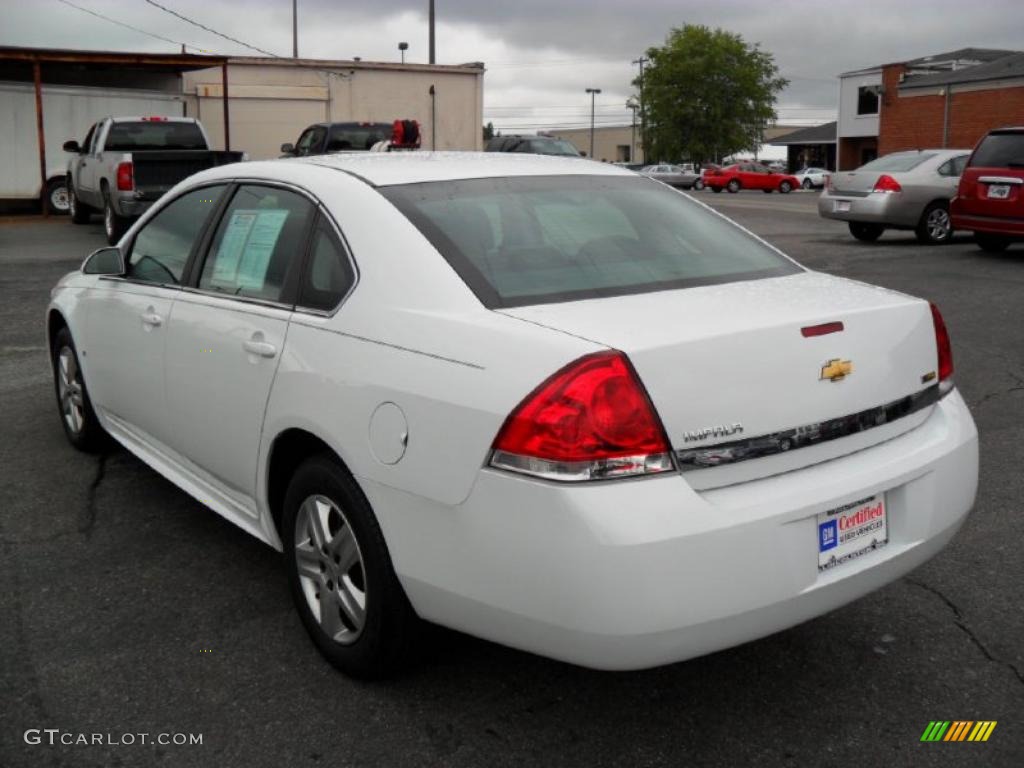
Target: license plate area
x,y
998,191
851,530
841,206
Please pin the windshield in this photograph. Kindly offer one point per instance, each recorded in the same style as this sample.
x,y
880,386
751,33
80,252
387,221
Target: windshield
x,y
1000,150
128,137
541,239
897,161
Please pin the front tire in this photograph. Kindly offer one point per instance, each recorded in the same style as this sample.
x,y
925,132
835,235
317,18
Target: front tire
x,y
733,186
341,576
935,226
79,211
698,185
991,243
807,184
785,187
866,233
114,224
81,426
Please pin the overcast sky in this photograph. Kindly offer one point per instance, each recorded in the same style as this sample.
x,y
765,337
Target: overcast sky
x,y
542,54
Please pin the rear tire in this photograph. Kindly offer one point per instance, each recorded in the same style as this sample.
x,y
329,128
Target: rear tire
x,y
866,233
807,184
57,196
78,418
733,186
79,211
698,185
935,226
345,588
114,224
991,243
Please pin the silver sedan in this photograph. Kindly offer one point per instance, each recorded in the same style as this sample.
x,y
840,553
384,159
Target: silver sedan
x,y
673,175
902,190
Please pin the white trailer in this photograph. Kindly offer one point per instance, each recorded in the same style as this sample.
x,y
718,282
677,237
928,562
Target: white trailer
x,y
68,111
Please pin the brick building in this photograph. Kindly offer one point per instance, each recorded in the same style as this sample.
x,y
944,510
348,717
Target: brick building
x,y
945,100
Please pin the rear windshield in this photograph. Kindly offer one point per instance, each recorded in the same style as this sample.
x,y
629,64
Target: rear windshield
x,y
541,239
554,147
127,137
1000,150
897,161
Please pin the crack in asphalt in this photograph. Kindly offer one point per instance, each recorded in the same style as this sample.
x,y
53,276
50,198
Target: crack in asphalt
x,y
88,518
998,393
961,622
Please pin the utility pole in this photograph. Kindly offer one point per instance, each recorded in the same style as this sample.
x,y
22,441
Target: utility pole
x,y
631,105
295,29
593,94
643,106
433,58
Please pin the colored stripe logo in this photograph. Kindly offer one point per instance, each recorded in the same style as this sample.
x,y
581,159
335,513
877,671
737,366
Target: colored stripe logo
x,y
958,730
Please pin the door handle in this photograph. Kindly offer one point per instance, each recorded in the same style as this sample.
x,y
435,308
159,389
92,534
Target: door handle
x,y
151,319
260,348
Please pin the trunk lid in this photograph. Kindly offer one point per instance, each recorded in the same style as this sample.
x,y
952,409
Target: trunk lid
x,y
730,362
856,183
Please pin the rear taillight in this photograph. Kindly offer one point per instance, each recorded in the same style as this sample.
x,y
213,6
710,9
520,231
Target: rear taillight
x,y
125,177
945,349
591,420
887,183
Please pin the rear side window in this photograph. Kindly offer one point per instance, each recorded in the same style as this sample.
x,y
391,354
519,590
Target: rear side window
x,y
1000,150
127,137
540,239
897,161
355,136
257,242
162,247
329,274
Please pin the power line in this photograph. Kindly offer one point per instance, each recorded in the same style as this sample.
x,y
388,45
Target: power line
x,y
213,31
129,26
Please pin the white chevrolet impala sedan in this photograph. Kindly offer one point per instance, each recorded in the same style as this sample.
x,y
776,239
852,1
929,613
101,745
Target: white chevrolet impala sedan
x,y
544,401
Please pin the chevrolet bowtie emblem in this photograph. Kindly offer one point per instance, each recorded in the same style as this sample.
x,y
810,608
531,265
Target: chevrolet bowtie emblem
x,y
836,370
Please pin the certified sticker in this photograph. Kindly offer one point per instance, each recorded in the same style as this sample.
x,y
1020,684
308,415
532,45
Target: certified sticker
x,y
847,532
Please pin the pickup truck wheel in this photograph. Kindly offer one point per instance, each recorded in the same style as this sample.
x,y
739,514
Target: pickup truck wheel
x,y
57,196
79,211
114,225
733,185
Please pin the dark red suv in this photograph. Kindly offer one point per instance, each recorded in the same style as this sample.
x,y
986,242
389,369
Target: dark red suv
x,y
990,200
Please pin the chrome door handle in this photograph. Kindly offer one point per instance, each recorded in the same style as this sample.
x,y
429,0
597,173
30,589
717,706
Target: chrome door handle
x,y
151,319
261,348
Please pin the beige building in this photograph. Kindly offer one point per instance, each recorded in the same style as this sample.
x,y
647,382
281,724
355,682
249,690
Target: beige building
x,y
617,144
614,143
270,101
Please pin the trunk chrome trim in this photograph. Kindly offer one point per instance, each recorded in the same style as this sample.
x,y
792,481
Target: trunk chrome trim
x,y
736,451
1000,180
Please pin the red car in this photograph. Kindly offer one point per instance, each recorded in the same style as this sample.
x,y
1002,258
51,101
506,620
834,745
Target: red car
x,y
990,199
749,176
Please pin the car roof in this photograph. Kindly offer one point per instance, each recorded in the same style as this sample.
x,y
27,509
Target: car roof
x,y
387,168
149,119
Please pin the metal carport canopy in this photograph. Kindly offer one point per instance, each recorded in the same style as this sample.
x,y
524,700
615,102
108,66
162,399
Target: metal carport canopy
x,y
152,62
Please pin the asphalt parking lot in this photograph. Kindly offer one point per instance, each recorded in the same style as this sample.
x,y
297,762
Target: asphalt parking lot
x,y
128,607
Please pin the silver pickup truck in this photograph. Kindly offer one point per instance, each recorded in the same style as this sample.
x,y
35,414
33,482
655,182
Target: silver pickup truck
x,y
125,164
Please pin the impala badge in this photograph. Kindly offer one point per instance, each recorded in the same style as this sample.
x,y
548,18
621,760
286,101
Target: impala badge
x,y
836,370
719,430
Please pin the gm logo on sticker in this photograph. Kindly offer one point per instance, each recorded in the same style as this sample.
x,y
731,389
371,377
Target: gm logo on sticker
x,y
828,535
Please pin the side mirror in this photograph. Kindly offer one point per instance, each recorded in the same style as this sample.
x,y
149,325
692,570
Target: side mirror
x,y
288,148
104,261
72,146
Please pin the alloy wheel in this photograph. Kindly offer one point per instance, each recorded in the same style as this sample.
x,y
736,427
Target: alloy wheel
x,y
330,569
939,224
69,389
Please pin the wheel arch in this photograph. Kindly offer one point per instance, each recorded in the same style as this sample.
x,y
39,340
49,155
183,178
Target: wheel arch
x,y
55,320
288,450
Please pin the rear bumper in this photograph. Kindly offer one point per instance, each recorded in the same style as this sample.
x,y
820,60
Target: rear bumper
x,y
877,208
633,574
1012,227
130,205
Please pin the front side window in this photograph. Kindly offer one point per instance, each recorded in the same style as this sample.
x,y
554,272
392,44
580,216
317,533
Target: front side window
x,y
867,100
329,274
257,242
162,247
310,141
86,145
541,239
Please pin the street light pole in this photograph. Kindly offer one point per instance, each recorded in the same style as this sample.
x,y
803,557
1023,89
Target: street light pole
x,y
593,94
295,29
431,22
643,106
403,47
631,104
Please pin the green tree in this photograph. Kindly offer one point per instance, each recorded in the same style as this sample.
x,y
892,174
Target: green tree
x,y
488,131
706,94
